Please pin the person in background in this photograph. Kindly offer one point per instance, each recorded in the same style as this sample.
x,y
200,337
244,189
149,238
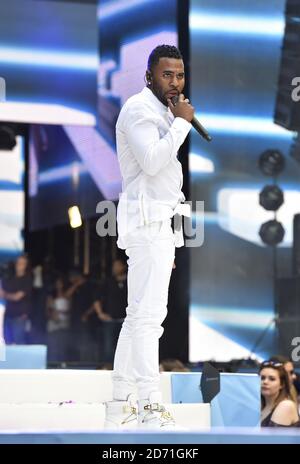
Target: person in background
x,y
172,365
110,307
290,370
82,293
45,275
16,291
277,407
58,324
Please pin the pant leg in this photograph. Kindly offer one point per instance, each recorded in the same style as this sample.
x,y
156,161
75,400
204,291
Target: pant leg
x,y
18,328
8,336
151,256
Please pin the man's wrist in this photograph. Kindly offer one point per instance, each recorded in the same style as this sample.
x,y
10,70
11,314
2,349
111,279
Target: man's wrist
x,y
182,123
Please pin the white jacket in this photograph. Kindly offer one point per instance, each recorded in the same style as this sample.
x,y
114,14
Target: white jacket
x,y
148,139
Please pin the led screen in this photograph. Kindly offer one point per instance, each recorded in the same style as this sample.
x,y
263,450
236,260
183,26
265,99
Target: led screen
x,y
48,61
235,58
74,165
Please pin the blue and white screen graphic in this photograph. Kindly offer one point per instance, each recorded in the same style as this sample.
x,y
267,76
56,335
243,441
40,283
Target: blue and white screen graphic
x,y
76,165
49,61
235,57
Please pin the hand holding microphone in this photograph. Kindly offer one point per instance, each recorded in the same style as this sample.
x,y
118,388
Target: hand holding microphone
x,y
182,108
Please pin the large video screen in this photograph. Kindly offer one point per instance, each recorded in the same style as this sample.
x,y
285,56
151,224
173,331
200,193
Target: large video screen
x,y
235,58
74,165
48,61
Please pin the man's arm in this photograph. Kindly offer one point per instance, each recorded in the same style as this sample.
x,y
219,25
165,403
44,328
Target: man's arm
x,y
153,152
16,296
72,289
97,306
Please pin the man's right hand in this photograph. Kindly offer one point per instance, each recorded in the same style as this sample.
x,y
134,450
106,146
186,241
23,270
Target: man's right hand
x,y
182,109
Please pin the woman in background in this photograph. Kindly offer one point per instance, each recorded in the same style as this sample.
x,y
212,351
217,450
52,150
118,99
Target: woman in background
x,y
277,407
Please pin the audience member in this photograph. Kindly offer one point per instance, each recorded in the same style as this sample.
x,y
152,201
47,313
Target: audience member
x,y
290,370
277,407
58,325
110,307
17,291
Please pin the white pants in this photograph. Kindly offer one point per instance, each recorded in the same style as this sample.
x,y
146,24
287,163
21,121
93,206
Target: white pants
x,y
151,252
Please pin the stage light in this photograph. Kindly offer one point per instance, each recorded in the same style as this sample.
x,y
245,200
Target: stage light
x,y
272,232
271,197
74,217
7,138
271,162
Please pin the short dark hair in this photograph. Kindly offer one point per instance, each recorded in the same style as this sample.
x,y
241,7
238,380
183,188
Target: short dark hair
x,y
162,51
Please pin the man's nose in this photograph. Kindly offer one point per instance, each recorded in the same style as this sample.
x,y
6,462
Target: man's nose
x,y
174,82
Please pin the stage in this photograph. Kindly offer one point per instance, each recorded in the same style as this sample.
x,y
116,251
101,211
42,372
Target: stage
x,y
62,406
212,437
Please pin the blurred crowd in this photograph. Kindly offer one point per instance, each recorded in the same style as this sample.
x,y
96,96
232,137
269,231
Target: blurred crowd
x,y
78,317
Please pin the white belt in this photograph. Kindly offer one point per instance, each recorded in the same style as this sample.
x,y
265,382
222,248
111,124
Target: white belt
x,y
182,209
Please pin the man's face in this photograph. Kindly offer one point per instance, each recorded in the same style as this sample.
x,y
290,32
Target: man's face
x,y
21,265
167,79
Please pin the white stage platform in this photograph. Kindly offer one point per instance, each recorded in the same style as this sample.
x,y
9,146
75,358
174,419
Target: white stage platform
x,y
66,407
73,401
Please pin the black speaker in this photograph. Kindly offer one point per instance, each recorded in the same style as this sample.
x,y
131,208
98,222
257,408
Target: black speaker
x,y
210,382
288,307
287,111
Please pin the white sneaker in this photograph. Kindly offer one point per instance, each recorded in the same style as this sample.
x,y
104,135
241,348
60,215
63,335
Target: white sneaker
x,y
121,414
153,415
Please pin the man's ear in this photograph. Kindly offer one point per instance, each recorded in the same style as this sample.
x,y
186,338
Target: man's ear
x,y
148,77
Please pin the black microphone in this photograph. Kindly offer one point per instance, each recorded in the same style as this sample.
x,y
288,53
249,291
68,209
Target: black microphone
x,y
195,123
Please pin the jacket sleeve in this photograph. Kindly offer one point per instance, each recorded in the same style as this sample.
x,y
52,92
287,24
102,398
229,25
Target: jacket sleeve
x,y
151,151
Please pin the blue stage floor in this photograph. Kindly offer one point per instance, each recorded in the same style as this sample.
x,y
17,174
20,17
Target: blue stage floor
x,y
215,436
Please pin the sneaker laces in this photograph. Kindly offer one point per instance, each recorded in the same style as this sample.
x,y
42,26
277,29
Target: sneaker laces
x,y
132,411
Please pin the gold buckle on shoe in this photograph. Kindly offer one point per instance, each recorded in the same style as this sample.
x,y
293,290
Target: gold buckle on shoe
x,y
167,416
128,408
154,407
131,410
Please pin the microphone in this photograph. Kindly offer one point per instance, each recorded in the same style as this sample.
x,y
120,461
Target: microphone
x,y
195,123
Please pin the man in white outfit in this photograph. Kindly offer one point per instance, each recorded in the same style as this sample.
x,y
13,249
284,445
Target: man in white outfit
x,y
149,131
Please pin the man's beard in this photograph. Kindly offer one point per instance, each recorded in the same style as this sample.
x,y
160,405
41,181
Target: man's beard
x,y
159,94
